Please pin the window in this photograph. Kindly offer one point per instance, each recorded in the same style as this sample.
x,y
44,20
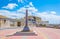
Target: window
x,y
4,21
12,23
0,23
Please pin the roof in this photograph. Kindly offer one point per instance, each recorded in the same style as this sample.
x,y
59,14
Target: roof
x,y
33,16
2,16
6,18
14,20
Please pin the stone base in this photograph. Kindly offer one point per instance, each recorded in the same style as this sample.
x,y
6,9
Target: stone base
x,y
26,29
24,34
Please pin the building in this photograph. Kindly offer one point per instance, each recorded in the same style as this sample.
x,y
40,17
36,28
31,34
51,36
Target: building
x,y
34,21
8,22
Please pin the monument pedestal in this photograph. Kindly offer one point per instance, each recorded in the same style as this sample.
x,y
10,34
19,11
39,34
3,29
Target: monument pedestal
x,y
26,29
25,32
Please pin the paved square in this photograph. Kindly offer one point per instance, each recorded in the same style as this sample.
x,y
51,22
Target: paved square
x,y
42,33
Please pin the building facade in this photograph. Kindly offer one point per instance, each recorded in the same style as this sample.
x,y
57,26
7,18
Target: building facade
x,y
8,22
32,21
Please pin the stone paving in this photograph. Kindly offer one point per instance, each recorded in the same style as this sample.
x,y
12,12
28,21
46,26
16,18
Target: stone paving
x,y
42,33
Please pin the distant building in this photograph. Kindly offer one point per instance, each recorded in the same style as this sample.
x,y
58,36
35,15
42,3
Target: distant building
x,y
32,21
8,22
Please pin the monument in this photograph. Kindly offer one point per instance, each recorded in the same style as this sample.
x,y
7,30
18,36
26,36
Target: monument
x,y
26,28
26,31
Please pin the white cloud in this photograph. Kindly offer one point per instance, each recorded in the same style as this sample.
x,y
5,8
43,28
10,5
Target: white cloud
x,y
10,6
30,7
53,12
22,1
53,19
11,14
30,4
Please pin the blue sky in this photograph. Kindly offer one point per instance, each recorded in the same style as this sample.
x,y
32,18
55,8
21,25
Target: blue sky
x,y
46,9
